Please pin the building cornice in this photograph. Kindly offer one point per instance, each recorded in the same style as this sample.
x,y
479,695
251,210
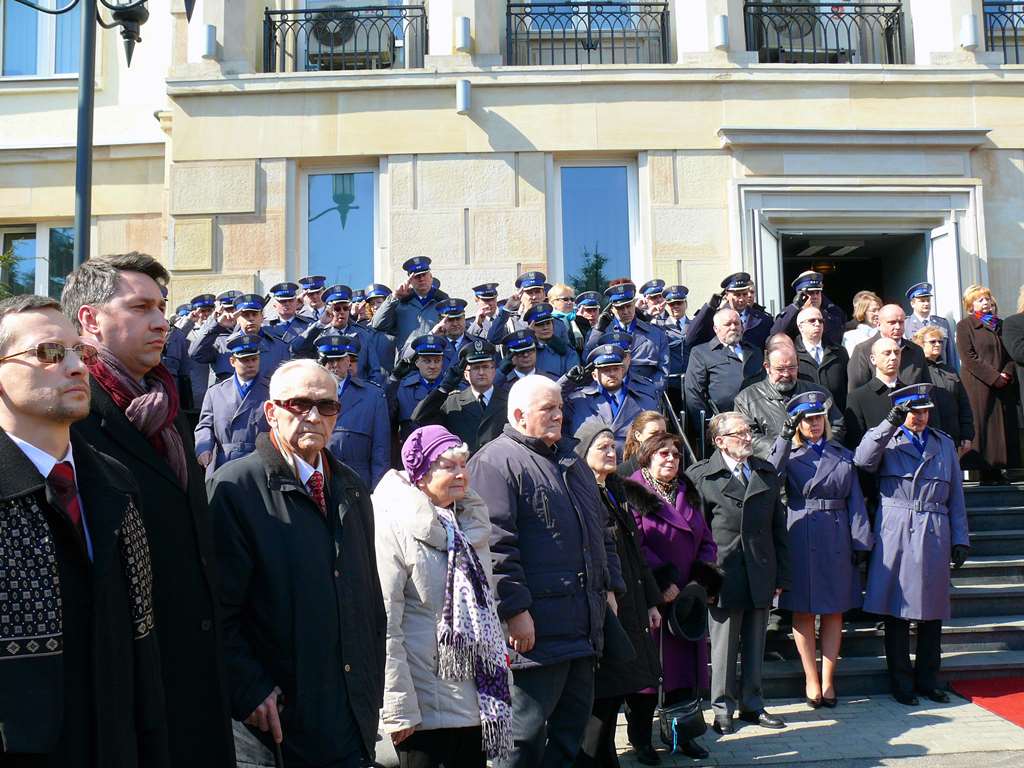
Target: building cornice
x,y
762,138
66,153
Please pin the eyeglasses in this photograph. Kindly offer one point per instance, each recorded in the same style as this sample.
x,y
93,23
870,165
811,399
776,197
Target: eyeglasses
x,y
562,298
666,453
53,352
300,406
814,320
743,434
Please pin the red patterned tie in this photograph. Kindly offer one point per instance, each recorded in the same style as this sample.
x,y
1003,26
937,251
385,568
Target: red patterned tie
x,y
62,481
315,484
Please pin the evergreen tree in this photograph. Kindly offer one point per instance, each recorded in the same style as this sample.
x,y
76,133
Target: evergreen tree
x,y
591,276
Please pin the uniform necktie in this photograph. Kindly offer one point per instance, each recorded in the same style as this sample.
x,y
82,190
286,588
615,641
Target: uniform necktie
x,y
738,349
315,484
62,481
817,355
483,401
742,473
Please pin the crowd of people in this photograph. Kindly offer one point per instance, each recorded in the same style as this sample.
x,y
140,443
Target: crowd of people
x,y
300,520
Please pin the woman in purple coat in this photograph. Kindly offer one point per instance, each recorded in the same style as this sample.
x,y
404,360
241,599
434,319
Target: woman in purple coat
x,y
677,545
829,537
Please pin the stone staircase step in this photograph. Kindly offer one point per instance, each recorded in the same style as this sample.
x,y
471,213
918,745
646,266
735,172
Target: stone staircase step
x,y
994,518
1000,542
1000,599
993,495
991,569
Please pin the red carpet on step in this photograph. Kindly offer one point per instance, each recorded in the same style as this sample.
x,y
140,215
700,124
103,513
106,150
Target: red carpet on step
x,y
1003,696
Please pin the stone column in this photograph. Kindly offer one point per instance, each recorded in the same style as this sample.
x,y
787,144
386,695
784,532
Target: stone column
x,y
486,29
935,28
695,26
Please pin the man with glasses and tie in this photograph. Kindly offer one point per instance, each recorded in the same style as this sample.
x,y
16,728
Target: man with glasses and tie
x,y
304,621
820,362
741,498
80,675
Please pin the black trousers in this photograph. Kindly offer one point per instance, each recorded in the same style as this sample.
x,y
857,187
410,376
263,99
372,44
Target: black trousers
x,y
442,748
640,713
905,677
598,747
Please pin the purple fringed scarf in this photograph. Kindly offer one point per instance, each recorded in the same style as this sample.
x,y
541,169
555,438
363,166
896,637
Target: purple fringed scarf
x,y
470,643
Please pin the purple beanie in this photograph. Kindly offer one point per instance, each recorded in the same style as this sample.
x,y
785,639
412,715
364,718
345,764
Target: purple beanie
x,y
423,447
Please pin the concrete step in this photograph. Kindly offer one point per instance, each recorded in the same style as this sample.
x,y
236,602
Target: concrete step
x,y
991,569
861,675
999,599
994,495
1000,542
995,518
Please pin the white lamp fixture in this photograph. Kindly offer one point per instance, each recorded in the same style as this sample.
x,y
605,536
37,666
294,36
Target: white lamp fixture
x,y
463,39
462,97
720,32
969,31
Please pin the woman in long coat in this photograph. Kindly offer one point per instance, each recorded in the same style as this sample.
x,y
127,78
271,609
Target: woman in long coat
x,y
829,536
952,413
678,546
988,373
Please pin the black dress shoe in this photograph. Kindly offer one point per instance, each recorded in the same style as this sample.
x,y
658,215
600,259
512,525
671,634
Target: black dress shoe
x,y
906,698
829,702
814,703
722,726
646,755
937,695
692,749
762,718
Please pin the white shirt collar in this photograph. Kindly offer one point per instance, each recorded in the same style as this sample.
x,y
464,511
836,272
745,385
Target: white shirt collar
x,y
306,470
43,461
730,462
523,375
487,394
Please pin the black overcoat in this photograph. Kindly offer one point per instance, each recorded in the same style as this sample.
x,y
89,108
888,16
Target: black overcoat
x,y
184,584
912,364
461,414
952,412
831,374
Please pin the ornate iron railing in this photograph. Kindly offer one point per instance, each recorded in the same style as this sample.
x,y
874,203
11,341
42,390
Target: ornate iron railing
x,y
1004,30
336,38
586,33
800,32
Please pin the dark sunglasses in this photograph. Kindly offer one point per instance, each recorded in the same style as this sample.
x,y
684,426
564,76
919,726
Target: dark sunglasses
x,y
53,352
300,406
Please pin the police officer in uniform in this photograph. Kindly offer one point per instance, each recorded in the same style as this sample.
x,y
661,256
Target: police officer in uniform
x,y
411,311
175,359
210,344
312,300
554,355
607,397
362,434
652,301
531,289
920,297
453,327
921,526
521,358
337,317
738,294
413,379
649,351
285,322
476,414
809,287
232,415
588,306
372,297
485,296
674,322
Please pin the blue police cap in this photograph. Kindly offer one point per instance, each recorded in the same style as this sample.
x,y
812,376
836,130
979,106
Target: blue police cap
x,y
373,290
284,290
588,299
358,296
486,290
182,310
617,337
337,293
538,313
243,345
519,341
676,293
653,287
808,281
809,404
313,283
737,281
417,265
249,301
430,344
452,308
917,397
606,354
531,280
203,300
228,298
623,293
478,351
332,344
920,289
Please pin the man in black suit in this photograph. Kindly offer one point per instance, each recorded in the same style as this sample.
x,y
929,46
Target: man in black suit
x,y
477,413
869,404
819,362
80,675
116,303
913,367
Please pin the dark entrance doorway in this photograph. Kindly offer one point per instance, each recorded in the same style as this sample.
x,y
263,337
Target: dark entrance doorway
x,y
885,263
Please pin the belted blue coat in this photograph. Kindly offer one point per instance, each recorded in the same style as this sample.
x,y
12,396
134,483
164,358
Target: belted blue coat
x,y
921,515
362,434
649,351
408,318
827,520
229,423
589,402
210,345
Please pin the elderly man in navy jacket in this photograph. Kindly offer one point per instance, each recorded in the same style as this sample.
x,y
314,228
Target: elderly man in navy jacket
x,y
555,571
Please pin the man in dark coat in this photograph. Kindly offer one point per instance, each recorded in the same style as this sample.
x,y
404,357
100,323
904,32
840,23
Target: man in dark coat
x,y
891,322
554,568
869,403
820,363
741,495
809,287
80,674
304,621
116,303
738,294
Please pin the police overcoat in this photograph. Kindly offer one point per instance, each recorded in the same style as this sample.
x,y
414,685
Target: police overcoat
x,y
229,423
368,364
649,351
362,434
287,330
211,346
827,519
408,317
404,396
921,516
590,402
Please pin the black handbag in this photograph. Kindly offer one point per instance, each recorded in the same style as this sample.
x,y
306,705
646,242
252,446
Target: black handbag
x,y
681,721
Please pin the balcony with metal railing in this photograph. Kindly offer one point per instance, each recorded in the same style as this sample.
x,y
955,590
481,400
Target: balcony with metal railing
x,y
587,33
1004,30
344,37
801,32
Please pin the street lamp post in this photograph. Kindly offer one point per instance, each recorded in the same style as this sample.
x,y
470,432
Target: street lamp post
x,y
129,15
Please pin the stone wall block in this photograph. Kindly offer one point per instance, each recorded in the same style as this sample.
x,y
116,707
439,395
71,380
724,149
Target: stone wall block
x,y
193,244
183,287
212,188
274,175
507,236
532,179
253,242
403,184
466,181
689,233
703,178
437,234
662,176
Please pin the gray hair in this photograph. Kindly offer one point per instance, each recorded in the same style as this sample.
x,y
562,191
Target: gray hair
x,y
25,303
95,282
720,315
305,365
720,422
524,391
458,452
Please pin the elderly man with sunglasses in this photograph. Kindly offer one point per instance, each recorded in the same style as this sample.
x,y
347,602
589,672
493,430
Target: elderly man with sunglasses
x,y
304,621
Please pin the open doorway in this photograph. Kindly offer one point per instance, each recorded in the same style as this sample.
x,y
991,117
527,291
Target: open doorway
x,y
885,263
